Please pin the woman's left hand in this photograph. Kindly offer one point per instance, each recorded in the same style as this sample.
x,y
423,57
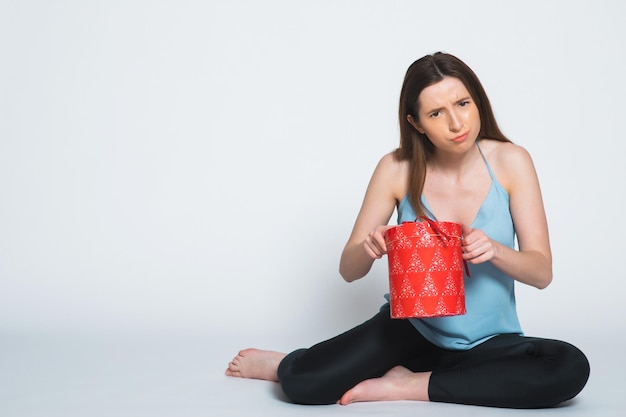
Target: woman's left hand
x,y
477,246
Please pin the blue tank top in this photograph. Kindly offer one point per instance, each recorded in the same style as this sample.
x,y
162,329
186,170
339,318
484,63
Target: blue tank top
x,y
489,293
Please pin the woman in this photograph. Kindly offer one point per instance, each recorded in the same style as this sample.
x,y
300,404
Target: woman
x,y
453,164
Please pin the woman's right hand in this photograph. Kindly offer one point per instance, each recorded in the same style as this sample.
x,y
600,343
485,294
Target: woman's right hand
x,y
374,242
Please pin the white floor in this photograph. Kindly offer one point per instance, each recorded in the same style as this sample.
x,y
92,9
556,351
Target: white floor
x,y
178,374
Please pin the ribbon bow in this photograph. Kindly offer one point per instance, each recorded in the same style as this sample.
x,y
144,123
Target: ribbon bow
x,y
447,237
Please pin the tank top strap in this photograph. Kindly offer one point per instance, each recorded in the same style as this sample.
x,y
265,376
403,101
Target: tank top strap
x,y
493,177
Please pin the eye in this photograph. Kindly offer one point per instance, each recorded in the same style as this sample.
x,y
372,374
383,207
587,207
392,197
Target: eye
x,y
434,114
464,103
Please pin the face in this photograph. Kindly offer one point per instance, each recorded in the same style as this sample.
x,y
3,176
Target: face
x,y
447,115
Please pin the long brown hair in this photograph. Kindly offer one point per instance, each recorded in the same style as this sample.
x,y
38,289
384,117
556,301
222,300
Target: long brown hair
x,y
415,146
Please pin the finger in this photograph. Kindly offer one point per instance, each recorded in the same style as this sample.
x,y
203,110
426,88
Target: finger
x,y
378,243
382,245
371,252
479,255
479,259
472,251
469,247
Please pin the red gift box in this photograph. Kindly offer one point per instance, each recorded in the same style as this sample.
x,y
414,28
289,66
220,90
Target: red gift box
x,y
425,269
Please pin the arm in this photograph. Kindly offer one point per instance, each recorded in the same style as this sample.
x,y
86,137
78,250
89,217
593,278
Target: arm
x,y
532,263
366,242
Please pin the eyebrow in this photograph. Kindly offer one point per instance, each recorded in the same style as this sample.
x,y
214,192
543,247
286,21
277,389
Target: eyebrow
x,y
438,109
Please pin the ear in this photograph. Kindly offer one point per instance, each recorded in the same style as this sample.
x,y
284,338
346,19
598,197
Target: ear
x,y
414,123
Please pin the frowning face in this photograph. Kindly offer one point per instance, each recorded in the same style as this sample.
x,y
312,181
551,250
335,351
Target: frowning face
x,y
448,116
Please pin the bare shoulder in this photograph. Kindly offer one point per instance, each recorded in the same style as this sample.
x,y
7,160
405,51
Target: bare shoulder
x,y
508,161
394,173
392,165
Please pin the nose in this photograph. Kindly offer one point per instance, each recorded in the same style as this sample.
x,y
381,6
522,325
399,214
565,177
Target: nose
x,y
455,122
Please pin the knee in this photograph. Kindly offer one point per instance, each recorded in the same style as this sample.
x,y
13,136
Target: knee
x,y
578,368
571,372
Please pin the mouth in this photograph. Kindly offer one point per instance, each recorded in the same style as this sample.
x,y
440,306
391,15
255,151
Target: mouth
x,y
460,138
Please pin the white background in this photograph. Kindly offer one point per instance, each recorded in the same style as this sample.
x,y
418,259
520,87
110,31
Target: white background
x,y
196,166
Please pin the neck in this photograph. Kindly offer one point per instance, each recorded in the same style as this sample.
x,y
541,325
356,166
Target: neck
x,y
454,162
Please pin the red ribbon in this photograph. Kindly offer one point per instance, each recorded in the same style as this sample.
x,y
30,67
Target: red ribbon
x,y
433,224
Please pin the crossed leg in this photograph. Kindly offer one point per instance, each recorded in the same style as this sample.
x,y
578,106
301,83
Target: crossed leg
x,y
362,364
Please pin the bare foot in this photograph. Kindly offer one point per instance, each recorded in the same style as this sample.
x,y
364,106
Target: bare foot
x,y
397,384
255,363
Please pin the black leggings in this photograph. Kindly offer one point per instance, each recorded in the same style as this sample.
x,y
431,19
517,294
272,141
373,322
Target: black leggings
x,y
506,371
